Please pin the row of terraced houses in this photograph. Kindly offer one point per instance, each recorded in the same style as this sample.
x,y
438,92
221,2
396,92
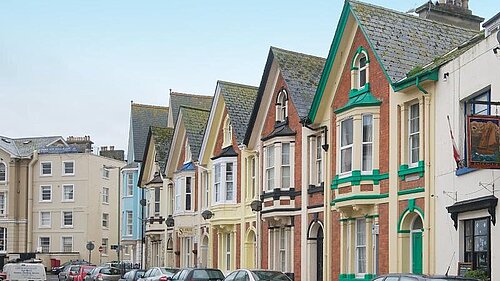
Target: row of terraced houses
x,y
344,168
381,158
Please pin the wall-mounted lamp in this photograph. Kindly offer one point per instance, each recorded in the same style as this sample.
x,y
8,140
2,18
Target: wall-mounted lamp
x,y
496,50
207,214
445,76
256,206
170,221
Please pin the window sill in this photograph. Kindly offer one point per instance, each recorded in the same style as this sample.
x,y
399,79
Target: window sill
x,y
45,201
405,170
464,170
68,201
67,227
67,175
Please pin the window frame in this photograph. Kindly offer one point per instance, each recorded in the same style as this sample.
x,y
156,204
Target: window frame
x,y
3,203
42,246
350,146
227,252
269,167
178,196
474,252
129,223
187,152
64,168
105,173
281,104
370,143
3,239
360,70
4,171
63,249
411,162
63,189
40,219
129,192
221,187
105,220
157,202
358,246
105,195
227,132
40,199
42,174
188,196
63,222
284,165
104,244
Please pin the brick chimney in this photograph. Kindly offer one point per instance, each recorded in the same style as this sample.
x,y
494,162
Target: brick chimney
x,y
112,153
84,144
454,12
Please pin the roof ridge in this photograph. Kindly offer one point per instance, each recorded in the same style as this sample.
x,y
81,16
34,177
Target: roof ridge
x,y
407,14
237,84
26,138
190,95
149,105
194,108
296,53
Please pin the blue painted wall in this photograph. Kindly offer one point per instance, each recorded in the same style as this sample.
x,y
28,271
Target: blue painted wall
x,y
131,203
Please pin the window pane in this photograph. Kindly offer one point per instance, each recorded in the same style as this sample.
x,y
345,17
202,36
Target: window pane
x,y
270,178
367,128
367,157
362,77
481,227
285,176
346,135
468,227
346,160
285,154
2,172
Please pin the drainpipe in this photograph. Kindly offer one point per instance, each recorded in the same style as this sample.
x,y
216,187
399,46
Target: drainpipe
x,y
29,229
417,83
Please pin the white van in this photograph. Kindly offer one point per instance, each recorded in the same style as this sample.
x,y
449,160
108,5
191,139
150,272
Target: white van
x,y
25,271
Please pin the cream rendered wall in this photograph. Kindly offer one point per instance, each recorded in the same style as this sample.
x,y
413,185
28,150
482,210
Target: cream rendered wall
x,y
471,72
87,207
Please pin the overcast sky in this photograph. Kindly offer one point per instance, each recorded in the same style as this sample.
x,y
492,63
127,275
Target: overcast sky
x,y
72,67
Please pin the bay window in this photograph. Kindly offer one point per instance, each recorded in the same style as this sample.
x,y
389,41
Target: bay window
x,y
225,180
279,163
183,193
413,134
346,142
285,165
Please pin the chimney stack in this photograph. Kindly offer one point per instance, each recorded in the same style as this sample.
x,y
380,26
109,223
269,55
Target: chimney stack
x,y
454,12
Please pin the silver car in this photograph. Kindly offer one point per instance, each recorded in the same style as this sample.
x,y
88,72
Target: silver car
x,y
158,274
256,275
102,273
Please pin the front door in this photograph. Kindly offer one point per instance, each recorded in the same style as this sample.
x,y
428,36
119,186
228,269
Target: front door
x,y
416,250
319,253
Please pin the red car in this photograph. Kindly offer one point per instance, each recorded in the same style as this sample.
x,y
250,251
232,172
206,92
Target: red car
x,y
82,272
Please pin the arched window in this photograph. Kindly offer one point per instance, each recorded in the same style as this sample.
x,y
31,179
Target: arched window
x,y
187,152
359,68
362,77
3,171
282,106
228,132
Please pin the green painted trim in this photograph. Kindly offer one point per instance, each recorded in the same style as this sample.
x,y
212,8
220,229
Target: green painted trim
x,y
356,92
361,100
356,177
412,208
359,197
339,32
352,277
404,170
360,50
347,219
411,191
429,75
371,216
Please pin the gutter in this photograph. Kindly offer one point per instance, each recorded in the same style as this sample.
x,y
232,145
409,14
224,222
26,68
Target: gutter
x,y
417,83
29,229
429,75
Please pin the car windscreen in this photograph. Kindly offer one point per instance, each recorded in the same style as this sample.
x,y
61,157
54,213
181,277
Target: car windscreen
x,y
450,279
110,271
168,271
269,275
208,274
74,269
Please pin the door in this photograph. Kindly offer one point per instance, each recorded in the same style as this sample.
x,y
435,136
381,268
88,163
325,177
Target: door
x,y
319,253
416,247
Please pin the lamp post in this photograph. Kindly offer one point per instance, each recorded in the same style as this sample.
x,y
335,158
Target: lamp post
x,y
119,249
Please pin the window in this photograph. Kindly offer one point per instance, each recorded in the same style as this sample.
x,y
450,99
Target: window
x,y
280,241
3,203
130,223
105,173
251,177
157,201
483,108
178,201
362,64
105,220
270,167
187,249
68,168
188,193
3,239
44,243
282,249
67,219
171,198
68,193
282,106
360,246
45,193
477,249
413,134
319,161
104,244
187,152
367,144
206,190
228,250
130,184
45,168
45,220
346,140
316,160
225,181
3,172
105,195
67,243
285,165
228,132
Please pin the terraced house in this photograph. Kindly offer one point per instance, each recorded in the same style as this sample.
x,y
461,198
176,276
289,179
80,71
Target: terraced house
x,y
379,107
290,209
227,173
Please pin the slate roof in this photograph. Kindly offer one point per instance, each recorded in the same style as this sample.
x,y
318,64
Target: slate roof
x,y
162,138
142,117
181,99
195,121
404,41
24,147
239,100
301,73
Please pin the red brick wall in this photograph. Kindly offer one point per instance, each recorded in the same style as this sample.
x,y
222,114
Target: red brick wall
x,y
383,223
405,185
334,243
215,249
238,246
297,246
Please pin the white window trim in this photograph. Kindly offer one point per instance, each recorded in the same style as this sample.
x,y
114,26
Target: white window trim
x,y
281,97
72,243
127,224
62,195
187,152
41,168
103,220
157,203
356,246
409,135
277,142
40,221
127,189
351,146
63,170
40,199
40,242
227,132
5,204
107,172
102,195
72,219
368,172
358,62
6,172
180,185
222,162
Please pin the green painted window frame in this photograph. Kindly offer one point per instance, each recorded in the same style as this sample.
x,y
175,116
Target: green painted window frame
x,y
405,170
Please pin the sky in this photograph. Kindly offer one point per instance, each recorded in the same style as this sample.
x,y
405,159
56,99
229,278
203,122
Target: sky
x,y
71,68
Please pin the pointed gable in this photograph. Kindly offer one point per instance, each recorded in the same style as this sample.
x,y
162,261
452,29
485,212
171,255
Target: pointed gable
x,y
195,121
142,117
179,99
239,100
162,139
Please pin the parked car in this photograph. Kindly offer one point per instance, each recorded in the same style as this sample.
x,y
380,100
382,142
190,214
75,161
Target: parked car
x,y
68,272
83,271
158,274
256,275
133,275
57,269
101,273
24,271
198,274
415,277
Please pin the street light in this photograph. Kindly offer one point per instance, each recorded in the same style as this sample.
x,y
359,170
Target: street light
x,y
119,249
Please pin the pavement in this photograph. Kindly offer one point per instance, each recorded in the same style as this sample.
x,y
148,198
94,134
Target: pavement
x,y
52,277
